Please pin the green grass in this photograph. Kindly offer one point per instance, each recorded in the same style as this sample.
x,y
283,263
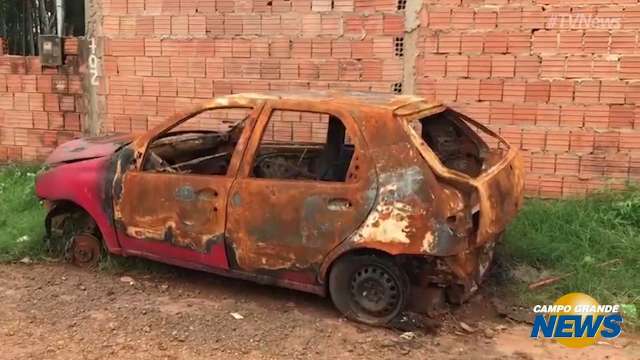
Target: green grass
x,y
21,216
574,238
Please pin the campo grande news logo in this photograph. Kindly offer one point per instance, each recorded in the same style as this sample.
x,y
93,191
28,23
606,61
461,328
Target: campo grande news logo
x,y
577,320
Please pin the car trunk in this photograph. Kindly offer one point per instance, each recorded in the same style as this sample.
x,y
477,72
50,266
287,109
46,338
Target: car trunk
x,y
474,159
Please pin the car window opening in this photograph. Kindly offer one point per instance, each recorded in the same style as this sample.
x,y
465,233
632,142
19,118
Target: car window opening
x,y
304,146
453,141
202,145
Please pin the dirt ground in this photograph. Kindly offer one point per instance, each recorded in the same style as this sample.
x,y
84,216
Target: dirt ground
x,y
54,311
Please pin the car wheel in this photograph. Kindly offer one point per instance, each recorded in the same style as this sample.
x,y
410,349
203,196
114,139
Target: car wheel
x,y
74,235
368,288
85,250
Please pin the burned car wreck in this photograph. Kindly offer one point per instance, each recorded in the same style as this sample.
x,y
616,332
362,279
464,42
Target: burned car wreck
x,y
370,199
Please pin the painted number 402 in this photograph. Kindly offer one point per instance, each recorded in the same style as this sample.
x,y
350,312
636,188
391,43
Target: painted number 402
x,y
93,63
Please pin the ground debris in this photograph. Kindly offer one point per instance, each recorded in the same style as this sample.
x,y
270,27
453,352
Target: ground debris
x,y
127,279
466,327
411,322
236,316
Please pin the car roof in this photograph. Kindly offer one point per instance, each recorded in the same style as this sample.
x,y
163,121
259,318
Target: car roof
x,y
385,101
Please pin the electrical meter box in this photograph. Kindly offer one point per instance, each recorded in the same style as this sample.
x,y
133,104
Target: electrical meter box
x,y
50,47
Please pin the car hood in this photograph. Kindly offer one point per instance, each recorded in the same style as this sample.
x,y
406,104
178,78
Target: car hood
x,y
88,148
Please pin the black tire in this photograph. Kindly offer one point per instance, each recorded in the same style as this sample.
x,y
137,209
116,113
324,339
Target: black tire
x,y
368,288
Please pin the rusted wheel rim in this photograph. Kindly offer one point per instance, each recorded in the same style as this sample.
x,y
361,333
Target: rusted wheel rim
x,y
375,290
85,250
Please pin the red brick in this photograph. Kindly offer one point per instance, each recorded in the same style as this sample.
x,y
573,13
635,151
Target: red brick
x,y
485,19
622,116
582,141
527,66
604,69
434,65
592,165
632,93
462,18
612,92
561,91
551,187
519,43
468,90
491,89
127,47
596,42
545,42
525,114
197,25
578,67
439,17
496,42
162,25
630,141
503,66
509,17
623,42
449,42
480,66
630,67
597,116
607,141
514,91
533,17
513,134
587,92
446,89
571,42
543,164
537,91
533,139
553,66
567,164
501,113
472,43
457,66
393,24
548,115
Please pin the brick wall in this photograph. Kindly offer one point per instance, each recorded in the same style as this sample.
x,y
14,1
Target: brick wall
x,y
161,55
560,79
39,107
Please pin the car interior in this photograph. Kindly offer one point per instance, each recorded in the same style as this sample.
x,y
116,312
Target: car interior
x,y
209,153
307,161
453,142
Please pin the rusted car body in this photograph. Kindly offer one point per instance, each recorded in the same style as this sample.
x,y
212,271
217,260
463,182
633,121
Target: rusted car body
x,y
411,183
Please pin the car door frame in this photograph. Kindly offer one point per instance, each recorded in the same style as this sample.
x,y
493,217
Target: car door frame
x,y
164,251
361,179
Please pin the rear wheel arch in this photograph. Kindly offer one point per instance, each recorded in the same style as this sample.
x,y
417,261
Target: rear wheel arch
x,y
351,252
382,276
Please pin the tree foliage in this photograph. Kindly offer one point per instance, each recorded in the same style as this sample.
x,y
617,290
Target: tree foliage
x,y
21,21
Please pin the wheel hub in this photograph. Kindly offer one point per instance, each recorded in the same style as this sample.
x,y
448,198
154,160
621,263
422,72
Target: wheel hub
x,y
374,290
85,250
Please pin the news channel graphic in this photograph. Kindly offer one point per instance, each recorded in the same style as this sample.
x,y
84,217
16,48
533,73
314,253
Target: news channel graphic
x,y
577,320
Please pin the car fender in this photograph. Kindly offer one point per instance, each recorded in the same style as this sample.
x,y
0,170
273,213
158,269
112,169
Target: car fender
x,y
82,183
